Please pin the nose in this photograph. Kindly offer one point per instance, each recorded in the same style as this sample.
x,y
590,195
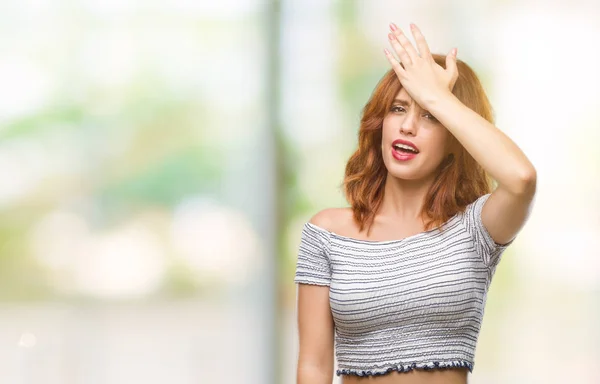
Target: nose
x,y
409,124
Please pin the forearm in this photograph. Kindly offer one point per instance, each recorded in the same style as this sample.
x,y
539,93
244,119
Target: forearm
x,y
489,146
309,374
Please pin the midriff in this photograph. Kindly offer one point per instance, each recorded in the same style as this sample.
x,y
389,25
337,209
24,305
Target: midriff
x,y
416,376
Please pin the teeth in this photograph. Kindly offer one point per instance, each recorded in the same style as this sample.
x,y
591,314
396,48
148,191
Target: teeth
x,y
407,147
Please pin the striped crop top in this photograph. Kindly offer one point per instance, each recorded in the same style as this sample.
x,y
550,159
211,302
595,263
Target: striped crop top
x,y
398,305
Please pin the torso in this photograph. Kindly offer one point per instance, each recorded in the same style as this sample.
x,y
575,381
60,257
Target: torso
x,y
440,376
382,229
343,224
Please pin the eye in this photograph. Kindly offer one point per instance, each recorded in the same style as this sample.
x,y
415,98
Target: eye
x,y
431,117
397,108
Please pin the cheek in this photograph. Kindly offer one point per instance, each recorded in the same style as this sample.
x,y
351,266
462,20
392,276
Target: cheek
x,y
438,140
388,123
442,146
387,133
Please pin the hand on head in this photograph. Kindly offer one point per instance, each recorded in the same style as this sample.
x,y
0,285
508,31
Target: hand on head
x,y
418,72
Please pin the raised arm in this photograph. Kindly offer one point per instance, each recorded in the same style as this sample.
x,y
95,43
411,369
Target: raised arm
x,y
508,207
430,85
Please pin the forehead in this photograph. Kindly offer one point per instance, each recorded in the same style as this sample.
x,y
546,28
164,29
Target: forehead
x,y
402,94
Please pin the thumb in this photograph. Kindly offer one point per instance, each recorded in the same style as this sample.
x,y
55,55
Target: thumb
x,y
451,60
451,64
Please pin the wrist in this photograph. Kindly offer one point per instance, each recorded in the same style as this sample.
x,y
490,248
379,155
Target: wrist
x,y
439,102
435,100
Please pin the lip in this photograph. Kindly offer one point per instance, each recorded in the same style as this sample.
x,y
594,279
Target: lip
x,y
401,156
405,142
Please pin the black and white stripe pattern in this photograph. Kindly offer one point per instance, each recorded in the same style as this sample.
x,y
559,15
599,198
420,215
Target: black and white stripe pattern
x,y
398,305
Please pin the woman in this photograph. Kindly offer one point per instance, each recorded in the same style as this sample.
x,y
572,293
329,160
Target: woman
x,y
398,281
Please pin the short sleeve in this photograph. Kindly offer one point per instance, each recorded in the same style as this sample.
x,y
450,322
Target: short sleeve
x,y
486,247
313,265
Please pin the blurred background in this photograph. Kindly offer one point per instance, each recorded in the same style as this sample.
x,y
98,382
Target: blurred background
x,y
159,158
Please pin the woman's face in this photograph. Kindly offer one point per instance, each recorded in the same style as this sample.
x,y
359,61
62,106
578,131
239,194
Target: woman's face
x,y
407,124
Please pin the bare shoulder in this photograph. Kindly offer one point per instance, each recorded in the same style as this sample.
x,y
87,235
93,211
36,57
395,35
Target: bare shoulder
x,y
333,219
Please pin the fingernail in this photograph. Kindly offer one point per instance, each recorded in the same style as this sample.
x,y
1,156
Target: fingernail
x,y
454,51
393,26
391,36
412,25
386,51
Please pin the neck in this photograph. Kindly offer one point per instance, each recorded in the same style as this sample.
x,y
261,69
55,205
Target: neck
x,y
403,199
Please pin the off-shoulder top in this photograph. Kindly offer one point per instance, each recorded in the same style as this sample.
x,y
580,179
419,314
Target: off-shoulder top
x,y
412,303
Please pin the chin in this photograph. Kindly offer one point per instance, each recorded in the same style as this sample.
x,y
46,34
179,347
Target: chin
x,y
410,175
410,171
423,166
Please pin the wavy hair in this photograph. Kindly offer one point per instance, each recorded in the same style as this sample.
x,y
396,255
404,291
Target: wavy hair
x,y
460,180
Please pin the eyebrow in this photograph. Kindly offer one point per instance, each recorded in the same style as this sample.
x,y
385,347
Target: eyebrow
x,y
405,103
401,102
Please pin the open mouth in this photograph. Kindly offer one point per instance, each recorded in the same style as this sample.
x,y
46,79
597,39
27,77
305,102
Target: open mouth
x,y
405,149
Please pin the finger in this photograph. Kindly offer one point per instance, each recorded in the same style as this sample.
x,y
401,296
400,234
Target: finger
x,y
399,49
451,61
420,40
451,66
406,44
395,64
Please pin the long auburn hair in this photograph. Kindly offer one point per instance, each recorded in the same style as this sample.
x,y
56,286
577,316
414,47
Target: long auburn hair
x,y
460,179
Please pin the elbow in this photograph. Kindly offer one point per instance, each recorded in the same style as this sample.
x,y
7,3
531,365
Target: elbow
x,y
315,368
310,374
526,182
